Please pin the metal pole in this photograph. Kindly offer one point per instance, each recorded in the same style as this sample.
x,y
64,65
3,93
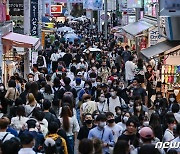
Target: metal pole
x,y
68,7
99,21
137,38
91,18
106,19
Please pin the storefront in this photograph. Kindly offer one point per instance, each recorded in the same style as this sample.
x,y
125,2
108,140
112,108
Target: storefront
x,y
12,58
167,54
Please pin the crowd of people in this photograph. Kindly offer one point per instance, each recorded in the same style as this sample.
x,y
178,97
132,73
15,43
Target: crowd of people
x,y
102,99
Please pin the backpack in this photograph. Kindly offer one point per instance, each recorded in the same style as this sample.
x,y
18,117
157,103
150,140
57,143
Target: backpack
x,y
56,98
2,140
59,147
40,61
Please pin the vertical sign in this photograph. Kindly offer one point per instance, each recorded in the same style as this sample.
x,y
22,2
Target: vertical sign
x,y
34,17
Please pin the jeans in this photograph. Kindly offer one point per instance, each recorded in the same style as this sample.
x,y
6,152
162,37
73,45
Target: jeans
x,y
70,144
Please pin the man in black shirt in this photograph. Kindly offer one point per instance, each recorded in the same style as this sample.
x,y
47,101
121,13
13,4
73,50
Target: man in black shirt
x,y
88,125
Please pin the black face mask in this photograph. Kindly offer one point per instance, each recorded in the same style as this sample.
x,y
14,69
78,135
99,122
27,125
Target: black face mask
x,y
88,121
111,121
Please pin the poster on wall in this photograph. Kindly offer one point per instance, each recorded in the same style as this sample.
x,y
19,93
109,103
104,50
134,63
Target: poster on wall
x,y
16,7
34,17
134,3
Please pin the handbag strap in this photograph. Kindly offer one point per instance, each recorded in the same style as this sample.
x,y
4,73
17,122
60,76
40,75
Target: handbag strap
x,y
31,111
4,137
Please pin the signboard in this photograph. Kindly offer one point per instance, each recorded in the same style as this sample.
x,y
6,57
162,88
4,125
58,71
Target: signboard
x,y
103,17
34,17
56,9
2,12
134,3
16,7
169,7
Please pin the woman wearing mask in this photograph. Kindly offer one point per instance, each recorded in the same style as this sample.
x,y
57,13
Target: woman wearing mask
x,y
125,118
172,100
71,127
87,89
102,105
138,110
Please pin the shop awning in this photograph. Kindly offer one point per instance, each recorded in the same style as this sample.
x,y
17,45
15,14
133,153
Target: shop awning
x,y
137,27
19,40
165,47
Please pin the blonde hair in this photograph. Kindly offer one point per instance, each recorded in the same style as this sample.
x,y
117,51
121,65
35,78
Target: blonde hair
x,y
31,98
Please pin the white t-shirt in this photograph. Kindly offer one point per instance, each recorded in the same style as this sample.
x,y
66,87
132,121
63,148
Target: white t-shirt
x,y
122,125
113,103
29,109
102,107
168,135
129,70
17,122
8,137
74,126
26,151
116,131
55,57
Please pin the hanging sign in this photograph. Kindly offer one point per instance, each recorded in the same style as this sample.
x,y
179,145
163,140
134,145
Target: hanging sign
x,y
16,7
34,17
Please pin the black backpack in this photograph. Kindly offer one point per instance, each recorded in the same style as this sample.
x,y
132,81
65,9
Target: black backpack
x,y
56,99
2,140
59,147
40,61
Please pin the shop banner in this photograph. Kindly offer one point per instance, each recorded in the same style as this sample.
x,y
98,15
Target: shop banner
x,y
93,4
16,8
2,12
34,17
134,3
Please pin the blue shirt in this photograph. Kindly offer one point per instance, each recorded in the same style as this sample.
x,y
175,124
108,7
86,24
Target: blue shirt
x,y
105,135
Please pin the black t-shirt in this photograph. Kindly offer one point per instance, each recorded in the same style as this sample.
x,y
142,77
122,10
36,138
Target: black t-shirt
x,y
140,92
127,138
67,89
83,132
49,117
67,58
23,96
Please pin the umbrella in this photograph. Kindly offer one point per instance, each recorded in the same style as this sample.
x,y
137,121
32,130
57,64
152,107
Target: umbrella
x,y
71,36
72,22
45,19
65,29
92,50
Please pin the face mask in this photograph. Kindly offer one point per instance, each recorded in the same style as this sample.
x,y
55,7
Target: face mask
x,y
86,87
114,85
135,87
109,82
118,112
98,83
131,103
88,121
30,79
138,108
1,88
174,127
102,124
81,60
102,99
113,94
92,61
125,119
172,99
111,121
146,123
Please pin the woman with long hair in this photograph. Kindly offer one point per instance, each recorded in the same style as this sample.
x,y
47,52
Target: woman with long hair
x,y
70,126
31,104
155,124
20,119
35,91
48,93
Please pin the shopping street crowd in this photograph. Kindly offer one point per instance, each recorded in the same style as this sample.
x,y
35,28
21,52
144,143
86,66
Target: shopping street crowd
x,y
103,99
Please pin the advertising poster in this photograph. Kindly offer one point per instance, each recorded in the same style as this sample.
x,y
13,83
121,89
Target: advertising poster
x,y
16,7
34,18
93,4
134,3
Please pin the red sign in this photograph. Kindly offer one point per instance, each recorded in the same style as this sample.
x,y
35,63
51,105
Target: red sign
x,y
56,9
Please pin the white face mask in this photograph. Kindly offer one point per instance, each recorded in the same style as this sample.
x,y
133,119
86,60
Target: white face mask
x,y
102,124
125,119
81,60
172,99
93,79
113,94
86,87
138,108
101,99
109,82
98,83
146,123
131,103
31,79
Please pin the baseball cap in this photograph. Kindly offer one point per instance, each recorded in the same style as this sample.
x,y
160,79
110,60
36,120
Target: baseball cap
x,y
146,133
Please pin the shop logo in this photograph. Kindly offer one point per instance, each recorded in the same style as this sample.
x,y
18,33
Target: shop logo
x,y
167,145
